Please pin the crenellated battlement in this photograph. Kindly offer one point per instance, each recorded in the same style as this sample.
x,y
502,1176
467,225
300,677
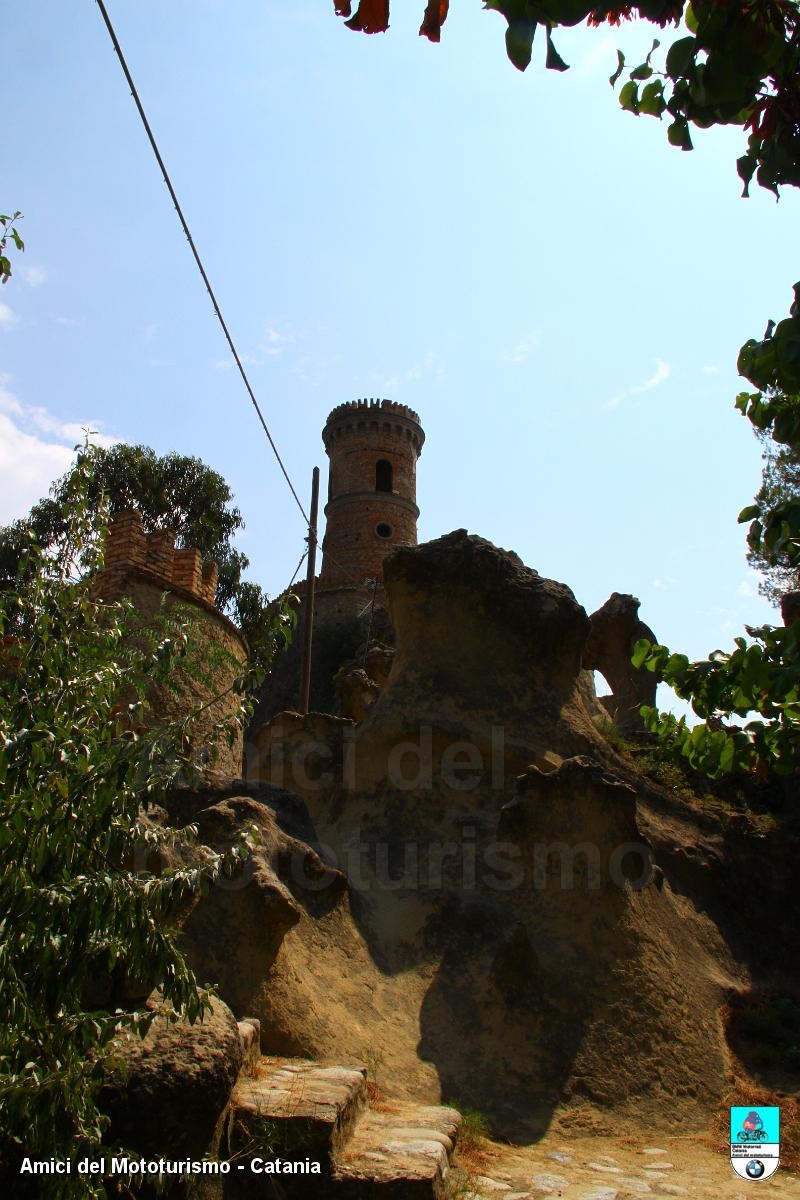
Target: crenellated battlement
x,y
352,407
128,548
381,418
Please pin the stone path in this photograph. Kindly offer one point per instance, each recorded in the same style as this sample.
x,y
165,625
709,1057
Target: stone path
x,y
391,1149
603,1168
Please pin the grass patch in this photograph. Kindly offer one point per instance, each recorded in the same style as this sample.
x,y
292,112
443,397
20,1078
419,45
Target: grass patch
x,y
474,1129
672,775
608,730
472,1148
460,1184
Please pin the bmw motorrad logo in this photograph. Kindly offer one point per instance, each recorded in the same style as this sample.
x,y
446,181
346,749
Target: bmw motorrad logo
x,y
755,1141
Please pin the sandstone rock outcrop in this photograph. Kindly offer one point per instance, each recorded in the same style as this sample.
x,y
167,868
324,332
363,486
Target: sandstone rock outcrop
x,y
356,693
511,945
615,630
487,650
305,753
175,1084
233,933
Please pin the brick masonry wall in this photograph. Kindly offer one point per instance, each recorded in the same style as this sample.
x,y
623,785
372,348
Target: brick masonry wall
x,y
218,651
142,567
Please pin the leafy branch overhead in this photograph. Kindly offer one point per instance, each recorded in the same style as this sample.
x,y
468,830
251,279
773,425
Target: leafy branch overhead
x,y
9,230
738,64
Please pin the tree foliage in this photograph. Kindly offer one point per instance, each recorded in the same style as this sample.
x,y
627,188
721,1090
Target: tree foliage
x,y
759,676
780,487
8,230
171,491
80,757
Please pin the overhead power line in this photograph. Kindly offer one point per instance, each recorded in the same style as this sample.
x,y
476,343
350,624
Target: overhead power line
x,y
206,281
193,247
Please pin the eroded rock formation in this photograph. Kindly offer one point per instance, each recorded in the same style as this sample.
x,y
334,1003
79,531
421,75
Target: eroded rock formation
x,y
467,886
615,630
172,1086
509,944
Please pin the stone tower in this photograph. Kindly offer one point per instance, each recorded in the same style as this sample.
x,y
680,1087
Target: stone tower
x,y
373,447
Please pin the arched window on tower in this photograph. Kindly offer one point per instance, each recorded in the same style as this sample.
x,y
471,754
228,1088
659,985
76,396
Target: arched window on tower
x,y
383,475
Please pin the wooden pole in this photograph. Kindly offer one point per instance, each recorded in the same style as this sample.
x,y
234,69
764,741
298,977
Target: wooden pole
x,y
311,574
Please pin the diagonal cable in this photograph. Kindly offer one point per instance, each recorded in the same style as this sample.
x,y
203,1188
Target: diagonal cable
x,y
197,259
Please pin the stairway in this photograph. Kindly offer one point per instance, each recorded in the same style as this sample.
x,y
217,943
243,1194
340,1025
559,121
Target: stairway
x,y
296,1110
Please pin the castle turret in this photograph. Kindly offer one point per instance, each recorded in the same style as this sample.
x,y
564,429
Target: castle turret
x,y
373,447
142,567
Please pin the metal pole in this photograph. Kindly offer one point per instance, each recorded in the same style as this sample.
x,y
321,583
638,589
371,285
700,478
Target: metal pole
x,y
308,624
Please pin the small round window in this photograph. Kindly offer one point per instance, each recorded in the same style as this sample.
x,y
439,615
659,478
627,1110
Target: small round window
x,y
384,529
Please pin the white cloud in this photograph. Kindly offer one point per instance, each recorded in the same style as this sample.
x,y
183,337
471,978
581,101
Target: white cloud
x,y
521,352
150,331
70,322
389,385
34,276
35,449
661,373
7,317
273,342
749,586
711,370
385,385
668,582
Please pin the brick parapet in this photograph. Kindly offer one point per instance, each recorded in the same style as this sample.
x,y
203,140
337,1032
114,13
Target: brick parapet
x,y
359,417
129,548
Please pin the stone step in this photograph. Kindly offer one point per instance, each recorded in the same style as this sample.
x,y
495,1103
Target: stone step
x,y
250,1038
295,1109
398,1151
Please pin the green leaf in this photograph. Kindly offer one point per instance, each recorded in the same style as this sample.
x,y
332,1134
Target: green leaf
x,y
652,50
641,652
680,56
642,72
519,41
652,101
691,19
629,97
554,61
678,134
620,68
749,513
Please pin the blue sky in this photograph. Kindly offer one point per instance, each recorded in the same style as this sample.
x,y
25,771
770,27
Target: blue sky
x,y
559,293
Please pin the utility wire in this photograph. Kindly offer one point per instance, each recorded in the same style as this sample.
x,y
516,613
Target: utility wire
x,y
206,281
197,259
303,557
